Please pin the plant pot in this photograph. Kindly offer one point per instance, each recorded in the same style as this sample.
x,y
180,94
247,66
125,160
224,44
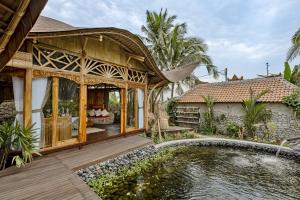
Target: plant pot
x,y
164,123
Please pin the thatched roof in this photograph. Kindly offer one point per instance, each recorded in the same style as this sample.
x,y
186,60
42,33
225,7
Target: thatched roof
x,y
16,19
237,91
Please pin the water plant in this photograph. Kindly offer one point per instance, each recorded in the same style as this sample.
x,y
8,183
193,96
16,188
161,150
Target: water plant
x,y
106,184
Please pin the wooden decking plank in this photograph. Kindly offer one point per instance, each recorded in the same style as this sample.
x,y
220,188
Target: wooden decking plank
x,y
52,176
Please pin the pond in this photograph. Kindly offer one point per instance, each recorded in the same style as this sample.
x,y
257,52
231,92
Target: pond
x,y
214,173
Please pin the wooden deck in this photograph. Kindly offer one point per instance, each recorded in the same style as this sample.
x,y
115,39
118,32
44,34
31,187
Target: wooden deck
x,y
52,176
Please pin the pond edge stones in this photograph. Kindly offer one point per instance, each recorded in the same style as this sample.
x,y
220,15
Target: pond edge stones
x,y
113,165
128,159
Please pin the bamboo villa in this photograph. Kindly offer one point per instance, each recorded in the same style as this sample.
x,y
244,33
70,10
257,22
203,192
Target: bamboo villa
x,y
79,85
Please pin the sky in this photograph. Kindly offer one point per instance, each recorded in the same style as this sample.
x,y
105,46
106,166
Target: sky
x,y
242,35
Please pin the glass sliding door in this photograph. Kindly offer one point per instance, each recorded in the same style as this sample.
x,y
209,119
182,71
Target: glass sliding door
x,y
140,97
135,108
48,119
131,109
68,110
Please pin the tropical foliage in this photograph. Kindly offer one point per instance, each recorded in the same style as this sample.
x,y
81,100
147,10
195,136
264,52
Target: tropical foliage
x,y
232,129
293,100
170,109
254,112
14,137
209,126
172,49
291,75
294,50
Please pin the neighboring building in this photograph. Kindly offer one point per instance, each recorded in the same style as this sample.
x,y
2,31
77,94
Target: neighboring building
x,y
235,78
228,97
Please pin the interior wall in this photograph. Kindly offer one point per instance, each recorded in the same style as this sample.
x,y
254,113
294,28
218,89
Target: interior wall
x,y
6,88
97,98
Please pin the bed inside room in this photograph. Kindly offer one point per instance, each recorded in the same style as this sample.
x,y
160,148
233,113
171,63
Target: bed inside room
x,y
103,111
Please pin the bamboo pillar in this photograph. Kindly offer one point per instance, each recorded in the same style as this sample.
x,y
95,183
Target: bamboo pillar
x,y
27,104
123,109
27,99
82,97
82,112
55,85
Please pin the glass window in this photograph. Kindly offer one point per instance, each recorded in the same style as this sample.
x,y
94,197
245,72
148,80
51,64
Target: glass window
x,y
135,108
68,110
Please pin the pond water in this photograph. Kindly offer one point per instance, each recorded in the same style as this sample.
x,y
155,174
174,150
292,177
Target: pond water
x,y
216,173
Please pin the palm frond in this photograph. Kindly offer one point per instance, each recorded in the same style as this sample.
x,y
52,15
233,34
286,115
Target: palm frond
x,y
294,50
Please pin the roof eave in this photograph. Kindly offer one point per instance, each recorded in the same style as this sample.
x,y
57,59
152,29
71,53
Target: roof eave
x,y
25,20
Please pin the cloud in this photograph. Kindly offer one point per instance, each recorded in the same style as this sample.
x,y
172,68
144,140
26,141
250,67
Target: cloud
x,y
241,35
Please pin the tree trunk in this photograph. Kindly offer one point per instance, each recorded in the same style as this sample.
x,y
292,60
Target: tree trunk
x,y
172,90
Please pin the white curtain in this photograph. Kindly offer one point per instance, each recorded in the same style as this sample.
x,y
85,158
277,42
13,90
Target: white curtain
x,y
18,88
40,91
140,93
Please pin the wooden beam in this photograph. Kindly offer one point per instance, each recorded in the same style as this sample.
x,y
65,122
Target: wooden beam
x,y
82,112
27,104
6,8
55,89
17,16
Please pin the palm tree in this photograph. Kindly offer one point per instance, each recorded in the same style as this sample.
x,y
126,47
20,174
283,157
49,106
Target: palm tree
x,y
172,49
158,25
291,75
254,111
179,51
294,50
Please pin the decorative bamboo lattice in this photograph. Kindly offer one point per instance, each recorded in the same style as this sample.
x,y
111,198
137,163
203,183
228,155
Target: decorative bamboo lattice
x,y
60,60
55,59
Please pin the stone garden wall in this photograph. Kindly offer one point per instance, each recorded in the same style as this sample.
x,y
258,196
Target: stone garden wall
x,y
286,124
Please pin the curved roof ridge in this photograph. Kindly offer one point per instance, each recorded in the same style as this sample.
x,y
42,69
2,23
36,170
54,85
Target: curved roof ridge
x,y
49,27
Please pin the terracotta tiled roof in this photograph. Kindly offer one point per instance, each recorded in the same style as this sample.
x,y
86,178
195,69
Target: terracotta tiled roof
x,y
237,91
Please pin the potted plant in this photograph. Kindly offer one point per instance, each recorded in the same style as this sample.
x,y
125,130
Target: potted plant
x,y
14,137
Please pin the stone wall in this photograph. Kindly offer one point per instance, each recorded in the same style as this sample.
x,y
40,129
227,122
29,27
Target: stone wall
x,y
287,125
7,111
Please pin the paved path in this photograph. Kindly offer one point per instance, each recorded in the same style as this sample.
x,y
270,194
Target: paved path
x,y
52,176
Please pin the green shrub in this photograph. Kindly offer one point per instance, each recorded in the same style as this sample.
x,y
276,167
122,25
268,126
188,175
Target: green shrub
x,y
232,129
209,124
254,112
170,109
293,101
